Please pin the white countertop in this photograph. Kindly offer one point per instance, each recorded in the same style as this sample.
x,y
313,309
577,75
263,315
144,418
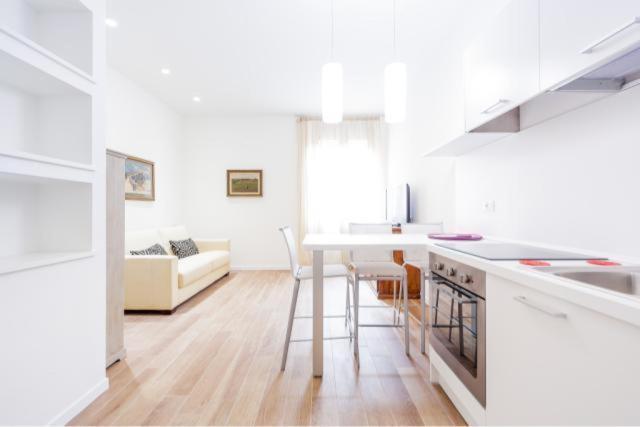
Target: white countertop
x,y
611,303
614,304
329,242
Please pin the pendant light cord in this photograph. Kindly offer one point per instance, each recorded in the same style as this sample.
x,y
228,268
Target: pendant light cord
x,y
395,52
332,31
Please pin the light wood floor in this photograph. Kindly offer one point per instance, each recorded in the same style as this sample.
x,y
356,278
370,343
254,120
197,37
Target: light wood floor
x,y
216,360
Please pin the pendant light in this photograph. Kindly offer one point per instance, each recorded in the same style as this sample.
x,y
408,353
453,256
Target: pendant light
x,y
395,85
332,108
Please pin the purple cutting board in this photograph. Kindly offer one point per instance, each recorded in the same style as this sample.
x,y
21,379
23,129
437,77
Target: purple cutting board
x,y
452,236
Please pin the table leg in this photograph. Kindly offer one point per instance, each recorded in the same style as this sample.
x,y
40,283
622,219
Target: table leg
x,y
423,317
406,315
318,312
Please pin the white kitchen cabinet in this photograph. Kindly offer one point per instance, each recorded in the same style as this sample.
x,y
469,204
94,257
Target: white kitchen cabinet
x,y
552,362
502,64
569,27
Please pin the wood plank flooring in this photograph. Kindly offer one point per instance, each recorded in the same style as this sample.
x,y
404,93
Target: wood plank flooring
x,y
216,361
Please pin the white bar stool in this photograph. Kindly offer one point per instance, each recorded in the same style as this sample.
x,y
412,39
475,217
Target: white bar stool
x,y
375,264
419,258
300,273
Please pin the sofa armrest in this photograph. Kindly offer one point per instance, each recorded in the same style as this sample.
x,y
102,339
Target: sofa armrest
x,y
205,245
150,282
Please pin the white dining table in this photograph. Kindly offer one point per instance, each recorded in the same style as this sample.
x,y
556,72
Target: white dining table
x,y
318,243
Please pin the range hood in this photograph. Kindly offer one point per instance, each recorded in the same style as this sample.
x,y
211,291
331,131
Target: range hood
x,y
616,75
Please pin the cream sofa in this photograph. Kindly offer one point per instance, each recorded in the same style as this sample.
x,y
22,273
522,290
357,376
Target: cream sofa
x,y
162,282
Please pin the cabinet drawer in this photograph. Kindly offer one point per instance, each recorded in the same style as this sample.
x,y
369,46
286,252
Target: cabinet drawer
x,y
552,362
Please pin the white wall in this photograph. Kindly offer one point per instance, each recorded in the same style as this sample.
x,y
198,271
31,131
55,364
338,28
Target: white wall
x,y
435,114
431,181
138,124
568,181
571,181
191,156
215,144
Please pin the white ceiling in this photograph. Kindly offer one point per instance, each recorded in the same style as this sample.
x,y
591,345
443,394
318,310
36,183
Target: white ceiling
x,y
264,56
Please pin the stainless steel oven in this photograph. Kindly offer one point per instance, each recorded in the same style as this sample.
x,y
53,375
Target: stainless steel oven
x,y
457,326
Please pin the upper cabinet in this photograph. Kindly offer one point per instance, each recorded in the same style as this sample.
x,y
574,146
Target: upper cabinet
x,y
502,64
538,59
576,35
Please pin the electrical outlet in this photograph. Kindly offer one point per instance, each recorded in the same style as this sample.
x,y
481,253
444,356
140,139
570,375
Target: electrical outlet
x,y
489,206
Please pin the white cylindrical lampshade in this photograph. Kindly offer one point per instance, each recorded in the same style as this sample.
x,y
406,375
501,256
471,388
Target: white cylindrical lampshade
x,y
395,92
332,92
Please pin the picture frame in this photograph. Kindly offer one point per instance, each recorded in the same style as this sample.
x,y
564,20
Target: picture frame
x,y
244,182
139,179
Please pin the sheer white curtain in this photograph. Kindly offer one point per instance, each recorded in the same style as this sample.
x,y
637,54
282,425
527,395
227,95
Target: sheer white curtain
x,y
342,175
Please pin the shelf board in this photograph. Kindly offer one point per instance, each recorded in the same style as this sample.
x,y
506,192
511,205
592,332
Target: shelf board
x,y
22,163
11,264
43,51
30,53
48,160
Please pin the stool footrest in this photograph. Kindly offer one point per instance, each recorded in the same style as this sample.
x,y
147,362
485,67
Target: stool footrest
x,y
347,337
331,316
380,325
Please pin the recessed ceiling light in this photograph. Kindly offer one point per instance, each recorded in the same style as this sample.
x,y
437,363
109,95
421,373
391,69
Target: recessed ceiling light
x,y
165,71
111,23
196,99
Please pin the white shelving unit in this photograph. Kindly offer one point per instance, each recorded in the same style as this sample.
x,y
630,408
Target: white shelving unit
x,y
61,29
43,115
43,219
47,172
52,207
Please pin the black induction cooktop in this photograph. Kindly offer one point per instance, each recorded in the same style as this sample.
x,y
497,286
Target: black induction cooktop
x,y
513,252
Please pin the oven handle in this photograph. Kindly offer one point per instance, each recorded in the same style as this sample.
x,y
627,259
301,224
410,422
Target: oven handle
x,y
524,300
450,290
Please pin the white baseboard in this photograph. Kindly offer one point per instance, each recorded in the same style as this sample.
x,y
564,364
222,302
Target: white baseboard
x,y
82,402
470,409
259,267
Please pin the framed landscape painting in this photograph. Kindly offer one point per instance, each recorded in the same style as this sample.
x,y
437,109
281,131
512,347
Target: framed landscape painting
x,y
139,179
244,183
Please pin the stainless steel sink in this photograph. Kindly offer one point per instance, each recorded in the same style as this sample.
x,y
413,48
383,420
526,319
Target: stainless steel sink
x,y
625,280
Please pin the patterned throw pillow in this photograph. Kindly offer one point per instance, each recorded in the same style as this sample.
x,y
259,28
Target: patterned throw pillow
x,y
183,248
156,249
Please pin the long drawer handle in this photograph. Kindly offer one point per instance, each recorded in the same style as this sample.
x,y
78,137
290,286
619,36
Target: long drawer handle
x,y
527,302
591,47
495,106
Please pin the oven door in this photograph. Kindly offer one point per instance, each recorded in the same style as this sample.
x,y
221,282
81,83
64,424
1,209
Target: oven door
x,y
458,332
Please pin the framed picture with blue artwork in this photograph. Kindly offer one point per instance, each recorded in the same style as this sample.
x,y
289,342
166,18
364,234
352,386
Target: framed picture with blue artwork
x,y
139,179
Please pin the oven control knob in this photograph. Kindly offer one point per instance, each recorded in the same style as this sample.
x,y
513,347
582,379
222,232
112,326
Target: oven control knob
x,y
466,278
437,266
451,272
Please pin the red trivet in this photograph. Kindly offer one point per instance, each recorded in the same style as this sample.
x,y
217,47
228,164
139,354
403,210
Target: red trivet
x,y
534,263
602,262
